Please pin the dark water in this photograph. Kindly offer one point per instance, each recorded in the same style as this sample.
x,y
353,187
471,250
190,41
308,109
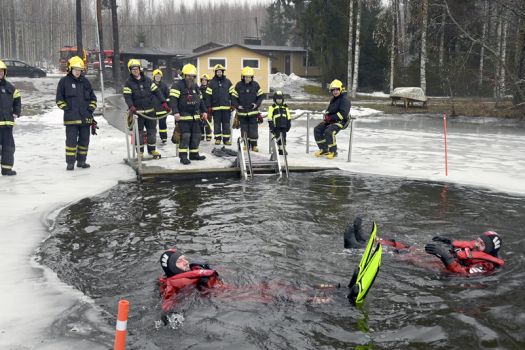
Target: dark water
x,y
278,239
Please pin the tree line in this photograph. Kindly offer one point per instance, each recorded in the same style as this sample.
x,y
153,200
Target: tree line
x,y
35,30
465,48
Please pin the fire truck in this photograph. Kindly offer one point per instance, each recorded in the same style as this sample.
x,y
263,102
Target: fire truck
x,y
69,51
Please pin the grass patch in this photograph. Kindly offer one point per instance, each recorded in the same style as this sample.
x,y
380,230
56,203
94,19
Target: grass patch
x,y
315,90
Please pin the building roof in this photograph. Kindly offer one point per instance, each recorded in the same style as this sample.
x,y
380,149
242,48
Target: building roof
x,y
218,48
276,48
154,51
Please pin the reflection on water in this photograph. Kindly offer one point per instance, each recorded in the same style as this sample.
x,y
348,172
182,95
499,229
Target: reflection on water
x,y
289,236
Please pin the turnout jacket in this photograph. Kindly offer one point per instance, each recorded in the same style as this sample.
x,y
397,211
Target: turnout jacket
x,y
199,277
165,90
77,99
219,93
10,103
244,95
186,100
279,117
140,93
339,109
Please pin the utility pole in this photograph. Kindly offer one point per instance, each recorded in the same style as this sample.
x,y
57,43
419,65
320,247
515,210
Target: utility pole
x,y
80,51
100,36
116,49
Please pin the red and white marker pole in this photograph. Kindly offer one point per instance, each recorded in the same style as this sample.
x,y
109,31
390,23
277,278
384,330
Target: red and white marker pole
x,y
446,149
122,324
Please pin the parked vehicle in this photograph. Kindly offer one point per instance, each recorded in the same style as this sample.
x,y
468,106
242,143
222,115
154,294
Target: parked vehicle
x,y
16,68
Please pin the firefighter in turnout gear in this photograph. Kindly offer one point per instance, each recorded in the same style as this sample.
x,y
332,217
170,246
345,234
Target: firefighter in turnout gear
x,y
219,94
10,108
140,94
279,119
78,101
247,97
336,118
161,113
188,107
205,125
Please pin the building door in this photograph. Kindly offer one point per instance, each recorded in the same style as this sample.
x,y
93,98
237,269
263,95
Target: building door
x,y
287,61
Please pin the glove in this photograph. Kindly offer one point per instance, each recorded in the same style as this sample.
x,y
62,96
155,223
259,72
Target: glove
x,y
166,107
204,117
260,119
210,111
94,127
442,239
133,109
232,108
440,252
327,118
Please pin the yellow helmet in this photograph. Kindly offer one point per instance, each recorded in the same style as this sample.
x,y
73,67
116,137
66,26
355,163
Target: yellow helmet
x,y
189,69
4,67
247,72
218,67
133,63
205,76
336,84
158,72
75,62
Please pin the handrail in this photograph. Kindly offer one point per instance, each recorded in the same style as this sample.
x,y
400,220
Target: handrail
x,y
275,155
285,155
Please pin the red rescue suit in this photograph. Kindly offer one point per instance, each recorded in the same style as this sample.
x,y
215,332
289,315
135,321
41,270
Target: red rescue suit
x,y
199,278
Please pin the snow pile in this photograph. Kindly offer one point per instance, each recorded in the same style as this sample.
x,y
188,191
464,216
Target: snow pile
x,y
292,85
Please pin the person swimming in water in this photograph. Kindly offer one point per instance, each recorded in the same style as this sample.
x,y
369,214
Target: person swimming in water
x,y
466,258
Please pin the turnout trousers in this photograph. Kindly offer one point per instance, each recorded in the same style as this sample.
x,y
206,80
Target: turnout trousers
x,y
190,137
77,143
324,135
222,125
163,128
7,142
151,133
250,129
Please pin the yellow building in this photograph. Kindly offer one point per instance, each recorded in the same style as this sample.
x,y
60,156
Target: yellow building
x,y
234,57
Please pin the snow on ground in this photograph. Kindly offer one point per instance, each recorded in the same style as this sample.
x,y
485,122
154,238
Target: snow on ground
x,y
32,299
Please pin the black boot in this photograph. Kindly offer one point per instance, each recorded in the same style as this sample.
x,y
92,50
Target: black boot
x,y
8,172
70,166
196,156
82,165
185,161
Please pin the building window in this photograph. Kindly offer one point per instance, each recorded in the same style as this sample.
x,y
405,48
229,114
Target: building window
x,y
213,61
250,62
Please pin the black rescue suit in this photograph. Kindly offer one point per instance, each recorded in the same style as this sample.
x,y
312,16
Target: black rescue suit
x,y
280,121
185,99
336,118
205,126
10,105
78,101
160,112
142,94
219,95
246,96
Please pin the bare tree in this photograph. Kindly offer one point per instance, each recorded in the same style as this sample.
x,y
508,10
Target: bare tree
x,y
116,46
483,38
393,44
423,60
350,42
357,49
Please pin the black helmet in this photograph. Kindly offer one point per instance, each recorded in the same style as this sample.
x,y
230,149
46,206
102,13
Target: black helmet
x,y
492,242
168,262
278,95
